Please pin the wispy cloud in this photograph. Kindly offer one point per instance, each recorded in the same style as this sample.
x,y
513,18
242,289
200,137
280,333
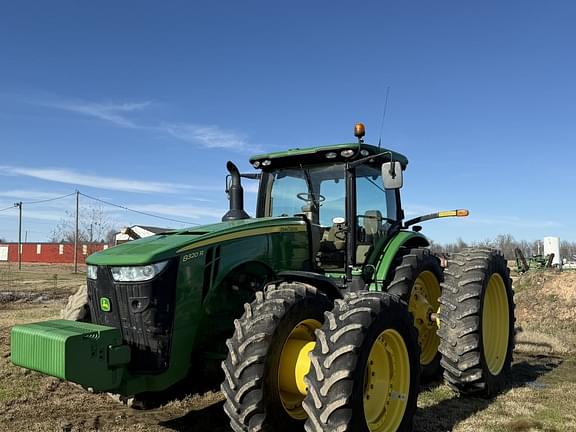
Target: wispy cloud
x,y
24,194
182,211
418,210
32,213
63,175
113,112
125,115
207,136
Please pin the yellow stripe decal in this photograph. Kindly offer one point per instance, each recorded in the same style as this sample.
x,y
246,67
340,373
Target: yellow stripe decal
x,y
447,213
243,234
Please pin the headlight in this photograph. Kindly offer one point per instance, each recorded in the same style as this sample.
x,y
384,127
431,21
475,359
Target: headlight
x,y
137,274
91,272
347,153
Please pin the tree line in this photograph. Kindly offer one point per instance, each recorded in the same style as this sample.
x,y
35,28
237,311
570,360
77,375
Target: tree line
x,y
507,243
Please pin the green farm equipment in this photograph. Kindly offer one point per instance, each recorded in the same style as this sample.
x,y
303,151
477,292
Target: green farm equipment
x,y
321,313
535,262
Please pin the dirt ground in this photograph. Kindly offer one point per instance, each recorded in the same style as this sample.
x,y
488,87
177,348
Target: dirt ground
x,y
540,397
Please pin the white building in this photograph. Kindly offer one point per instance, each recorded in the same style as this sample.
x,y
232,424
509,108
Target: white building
x,y
138,231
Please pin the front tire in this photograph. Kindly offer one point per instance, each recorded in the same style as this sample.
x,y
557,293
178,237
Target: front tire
x,y
477,322
268,358
365,372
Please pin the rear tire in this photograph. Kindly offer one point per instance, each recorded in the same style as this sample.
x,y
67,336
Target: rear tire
x,y
259,368
365,367
416,280
477,322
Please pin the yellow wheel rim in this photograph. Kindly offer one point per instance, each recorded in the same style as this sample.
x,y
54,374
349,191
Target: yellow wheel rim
x,y
386,383
424,301
495,324
294,366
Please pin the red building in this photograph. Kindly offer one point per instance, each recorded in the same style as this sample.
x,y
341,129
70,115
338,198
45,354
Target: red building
x,y
48,253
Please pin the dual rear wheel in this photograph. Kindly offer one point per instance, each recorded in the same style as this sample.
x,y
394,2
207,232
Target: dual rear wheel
x,y
299,360
464,316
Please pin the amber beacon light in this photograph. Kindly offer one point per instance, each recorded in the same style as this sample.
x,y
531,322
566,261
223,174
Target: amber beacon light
x,y
359,131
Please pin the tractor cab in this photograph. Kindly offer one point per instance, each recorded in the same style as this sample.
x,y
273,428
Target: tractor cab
x,y
348,194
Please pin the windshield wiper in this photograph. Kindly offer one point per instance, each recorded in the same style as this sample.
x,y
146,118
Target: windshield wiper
x,y
309,183
374,183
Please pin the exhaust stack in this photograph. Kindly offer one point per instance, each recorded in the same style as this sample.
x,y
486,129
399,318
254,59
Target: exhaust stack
x,y
236,195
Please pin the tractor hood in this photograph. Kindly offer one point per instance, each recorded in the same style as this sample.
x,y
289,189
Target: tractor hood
x,y
167,245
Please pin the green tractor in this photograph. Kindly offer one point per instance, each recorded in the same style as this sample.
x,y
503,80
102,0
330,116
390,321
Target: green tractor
x,y
322,313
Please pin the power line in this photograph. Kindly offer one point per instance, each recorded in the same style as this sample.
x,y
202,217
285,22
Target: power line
x,y
8,208
49,199
137,211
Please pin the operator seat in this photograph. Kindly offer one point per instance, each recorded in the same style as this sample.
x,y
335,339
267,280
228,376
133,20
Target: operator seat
x,y
372,225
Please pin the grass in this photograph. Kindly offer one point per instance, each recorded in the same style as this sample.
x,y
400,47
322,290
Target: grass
x,y
57,280
15,386
16,383
540,399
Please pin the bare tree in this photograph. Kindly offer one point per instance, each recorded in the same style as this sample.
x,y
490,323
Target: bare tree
x,y
567,250
111,236
94,226
506,244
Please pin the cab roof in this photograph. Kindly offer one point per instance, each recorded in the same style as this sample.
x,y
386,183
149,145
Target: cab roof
x,y
318,155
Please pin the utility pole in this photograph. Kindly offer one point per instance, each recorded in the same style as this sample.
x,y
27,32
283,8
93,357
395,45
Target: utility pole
x,y
76,233
19,205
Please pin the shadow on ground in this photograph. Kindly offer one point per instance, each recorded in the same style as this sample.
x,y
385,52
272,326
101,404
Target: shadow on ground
x,y
212,418
446,414
440,417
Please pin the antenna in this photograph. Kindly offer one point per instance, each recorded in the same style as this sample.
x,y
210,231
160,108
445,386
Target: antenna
x,y
383,115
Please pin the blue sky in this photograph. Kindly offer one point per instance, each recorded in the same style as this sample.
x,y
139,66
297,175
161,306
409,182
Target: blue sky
x,y
141,103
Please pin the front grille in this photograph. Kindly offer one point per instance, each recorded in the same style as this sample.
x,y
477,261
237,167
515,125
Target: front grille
x,y
143,311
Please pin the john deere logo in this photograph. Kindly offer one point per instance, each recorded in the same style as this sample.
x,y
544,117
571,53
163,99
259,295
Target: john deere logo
x,y
105,304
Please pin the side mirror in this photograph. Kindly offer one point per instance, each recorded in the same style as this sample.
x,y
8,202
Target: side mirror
x,y
392,175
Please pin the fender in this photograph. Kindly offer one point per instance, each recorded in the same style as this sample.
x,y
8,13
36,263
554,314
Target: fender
x,y
255,268
383,261
323,283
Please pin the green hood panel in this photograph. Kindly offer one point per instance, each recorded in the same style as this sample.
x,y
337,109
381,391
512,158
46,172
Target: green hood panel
x,y
163,246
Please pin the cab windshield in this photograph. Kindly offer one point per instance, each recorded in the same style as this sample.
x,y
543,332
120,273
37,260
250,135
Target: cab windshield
x,y
319,192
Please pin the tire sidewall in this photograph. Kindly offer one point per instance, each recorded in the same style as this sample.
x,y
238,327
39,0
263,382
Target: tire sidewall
x,y
495,383
308,307
391,318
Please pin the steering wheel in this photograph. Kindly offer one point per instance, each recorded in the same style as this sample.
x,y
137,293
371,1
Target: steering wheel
x,y
306,196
